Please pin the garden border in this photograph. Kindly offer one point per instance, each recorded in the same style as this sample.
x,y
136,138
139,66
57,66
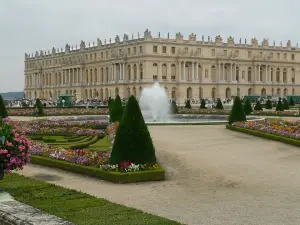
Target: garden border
x,y
264,135
116,177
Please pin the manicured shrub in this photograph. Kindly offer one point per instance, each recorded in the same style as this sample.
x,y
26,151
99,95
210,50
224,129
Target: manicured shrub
x,y
269,104
116,111
258,106
237,112
39,107
285,104
248,107
174,108
133,141
111,102
292,102
203,104
188,104
279,106
219,104
3,111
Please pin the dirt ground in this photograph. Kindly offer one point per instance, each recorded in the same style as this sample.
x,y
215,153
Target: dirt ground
x,y
214,176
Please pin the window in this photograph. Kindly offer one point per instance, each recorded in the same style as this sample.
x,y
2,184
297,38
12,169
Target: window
x,y
155,48
101,55
285,56
225,52
141,49
278,56
293,56
128,51
164,49
260,55
198,51
95,55
134,50
173,50
249,54
106,54
59,61
91,56
213,52
86,57
186,50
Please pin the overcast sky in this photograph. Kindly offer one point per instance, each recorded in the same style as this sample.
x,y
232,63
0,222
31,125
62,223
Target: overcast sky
x,y
30,25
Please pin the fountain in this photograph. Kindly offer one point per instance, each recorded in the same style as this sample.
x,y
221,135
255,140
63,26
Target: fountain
x,y
154,103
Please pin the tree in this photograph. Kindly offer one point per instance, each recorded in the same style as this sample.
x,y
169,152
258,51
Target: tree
x,y
219,104
279,106
269,104
110,103
285,104
258,106
116,111
237,112
133,141
174,108
292,102
39,107
247,107
188,104
3,111
203,104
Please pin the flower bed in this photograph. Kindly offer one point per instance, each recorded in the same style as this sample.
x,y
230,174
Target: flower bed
x,y
95,163
58,111
283,131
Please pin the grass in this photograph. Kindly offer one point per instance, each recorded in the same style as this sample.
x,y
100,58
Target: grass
x,y
101,145
74,206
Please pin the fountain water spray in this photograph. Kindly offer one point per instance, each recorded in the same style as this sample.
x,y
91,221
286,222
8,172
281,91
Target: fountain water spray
x,y
154,101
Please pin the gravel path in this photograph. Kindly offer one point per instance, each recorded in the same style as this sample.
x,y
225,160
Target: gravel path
x,y
214,176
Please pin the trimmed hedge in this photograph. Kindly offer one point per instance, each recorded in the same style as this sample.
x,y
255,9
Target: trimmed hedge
x,y
117,177
261,134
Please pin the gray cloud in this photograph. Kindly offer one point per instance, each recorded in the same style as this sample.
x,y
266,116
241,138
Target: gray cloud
x,y
30,25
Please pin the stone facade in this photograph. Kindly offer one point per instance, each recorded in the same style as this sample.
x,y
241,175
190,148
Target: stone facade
x,y
188,69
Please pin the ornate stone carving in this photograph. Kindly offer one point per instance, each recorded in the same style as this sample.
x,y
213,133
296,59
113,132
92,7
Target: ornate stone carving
x,y
147,34
218,39
41,53
289,44
26,55
254,42
125,37
268,56
265,43
53,51
179,52
82,45
179,36
192,37
117,39
67,48
233,54
256,56
230,40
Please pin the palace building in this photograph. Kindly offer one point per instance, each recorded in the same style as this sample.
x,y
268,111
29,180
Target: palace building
x,y
187,68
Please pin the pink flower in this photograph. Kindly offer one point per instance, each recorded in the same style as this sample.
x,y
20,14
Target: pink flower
x,y
21,148
8,143
3,151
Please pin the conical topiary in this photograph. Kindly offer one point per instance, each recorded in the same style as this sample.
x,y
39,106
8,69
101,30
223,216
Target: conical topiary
x,y
285,104
110,103
279,106
247,107
133,141
292,102
174,108
188,104
237,112
116,111
219,104
258,106
203,104
269,104
3,111
39,107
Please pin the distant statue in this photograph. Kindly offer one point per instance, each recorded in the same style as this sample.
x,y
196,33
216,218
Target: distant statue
x,y
240,41
208,38
41,53
168,35
158,34
110,41
192,37
82,45
138,35
104,41
265,42
230,40
281,43
89,44
132,37
147,34
245,41
274,43
218,39
254,42
125,37
289,44
202,38
117,39
179,36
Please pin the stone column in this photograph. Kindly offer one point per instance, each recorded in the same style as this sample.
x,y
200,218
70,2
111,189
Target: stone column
x,y
138,71
169,73
231,72
123,74
193,71
131,71
197,71
223,72
120,71
234,73
184,76
179,71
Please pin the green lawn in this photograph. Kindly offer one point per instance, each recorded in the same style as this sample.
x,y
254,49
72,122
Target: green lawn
x,y
74,206
101,145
